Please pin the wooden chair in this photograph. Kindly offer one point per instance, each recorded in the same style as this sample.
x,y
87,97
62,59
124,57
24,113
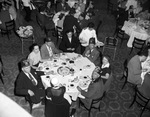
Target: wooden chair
x,y
29,39
92,106
10,26
120,35
1,70
138,44
125,74
141,100
110,43
110,7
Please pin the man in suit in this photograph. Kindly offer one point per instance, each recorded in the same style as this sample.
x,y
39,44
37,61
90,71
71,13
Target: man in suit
x,y
48,49
70,22
69,42
95,90
135,69
92,53
29,84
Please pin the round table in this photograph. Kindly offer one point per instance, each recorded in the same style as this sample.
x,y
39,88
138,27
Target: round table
x,y
70,69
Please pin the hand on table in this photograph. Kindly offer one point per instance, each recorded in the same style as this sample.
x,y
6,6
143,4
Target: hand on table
x,y
79,89
31,93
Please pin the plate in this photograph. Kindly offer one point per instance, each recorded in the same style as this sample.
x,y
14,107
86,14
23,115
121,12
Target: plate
x,y
63,71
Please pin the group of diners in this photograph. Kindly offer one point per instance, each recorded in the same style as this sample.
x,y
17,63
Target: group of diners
x,y
29,83
139,71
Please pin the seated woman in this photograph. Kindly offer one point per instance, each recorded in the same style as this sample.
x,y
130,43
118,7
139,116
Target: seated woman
x,y
35,56
56,105
92,53
95,90
105,69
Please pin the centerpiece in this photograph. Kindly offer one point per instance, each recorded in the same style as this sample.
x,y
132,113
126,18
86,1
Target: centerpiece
x,y
25,31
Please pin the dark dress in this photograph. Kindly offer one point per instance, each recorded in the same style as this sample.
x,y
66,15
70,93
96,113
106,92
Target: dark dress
x,y
57,106
104,71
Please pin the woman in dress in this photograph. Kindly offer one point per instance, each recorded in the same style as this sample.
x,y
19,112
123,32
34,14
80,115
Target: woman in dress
x,y
35,56
56,105
105,69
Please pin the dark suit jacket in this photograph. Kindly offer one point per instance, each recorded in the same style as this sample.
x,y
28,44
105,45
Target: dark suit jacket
x,y
134,70
23,83
94,56
45,53
4,17
95,90
65,43
69,22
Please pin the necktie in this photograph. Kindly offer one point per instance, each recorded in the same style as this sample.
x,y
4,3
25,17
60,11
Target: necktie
x,y
32,79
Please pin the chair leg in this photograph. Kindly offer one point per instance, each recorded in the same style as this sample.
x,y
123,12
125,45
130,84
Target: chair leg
x,y
121,43
125,82
22,45
133,100
30,107
131,50
89,112
8,36
1,78
114,55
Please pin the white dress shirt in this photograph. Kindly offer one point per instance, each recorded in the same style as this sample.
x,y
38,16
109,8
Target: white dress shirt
x,y
85,36
27,3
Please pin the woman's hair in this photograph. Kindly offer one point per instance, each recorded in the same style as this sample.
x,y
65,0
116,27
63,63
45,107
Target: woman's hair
x,y
33,45
107,57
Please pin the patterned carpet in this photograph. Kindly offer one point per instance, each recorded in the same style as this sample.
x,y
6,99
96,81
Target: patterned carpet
x,y
116,102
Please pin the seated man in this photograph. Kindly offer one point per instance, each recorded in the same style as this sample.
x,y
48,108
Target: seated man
x,y
29,84
48,49
95,90
135,69
92,53
69,42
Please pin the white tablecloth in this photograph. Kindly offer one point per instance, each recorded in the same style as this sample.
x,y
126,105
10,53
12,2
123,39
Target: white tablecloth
x,y
83,69
145,65
134,30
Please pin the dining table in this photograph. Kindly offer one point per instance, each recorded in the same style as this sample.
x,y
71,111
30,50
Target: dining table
x,y
71,69
136,28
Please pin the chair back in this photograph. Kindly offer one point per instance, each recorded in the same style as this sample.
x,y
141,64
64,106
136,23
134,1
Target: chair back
x,y
138,43
141,100
108,83
111,42
110,7
10,25
120,33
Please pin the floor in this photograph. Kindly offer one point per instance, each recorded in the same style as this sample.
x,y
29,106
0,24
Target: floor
x,y
116,102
